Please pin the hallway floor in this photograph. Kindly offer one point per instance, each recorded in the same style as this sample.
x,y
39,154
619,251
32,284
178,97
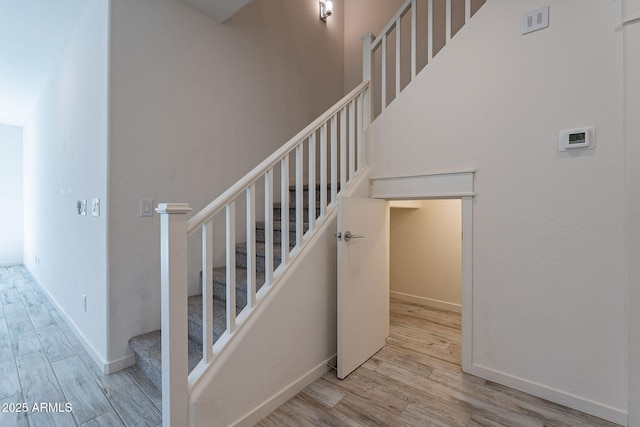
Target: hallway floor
x,y
416,380
48,379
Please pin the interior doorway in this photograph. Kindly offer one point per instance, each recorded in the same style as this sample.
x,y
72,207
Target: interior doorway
x,y
443,185
425,276
425,262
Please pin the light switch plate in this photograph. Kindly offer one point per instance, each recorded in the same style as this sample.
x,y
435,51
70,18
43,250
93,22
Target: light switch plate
x,y
81,206
146,207
95,207
535,20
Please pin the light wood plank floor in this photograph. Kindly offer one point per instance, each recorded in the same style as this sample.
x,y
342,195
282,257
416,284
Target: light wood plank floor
x,y
42,362
416,380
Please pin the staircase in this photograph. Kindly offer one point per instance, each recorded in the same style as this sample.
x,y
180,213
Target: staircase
x,y
147,346
328,156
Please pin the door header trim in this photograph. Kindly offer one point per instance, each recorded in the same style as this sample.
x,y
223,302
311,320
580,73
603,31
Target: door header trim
x,y
436,185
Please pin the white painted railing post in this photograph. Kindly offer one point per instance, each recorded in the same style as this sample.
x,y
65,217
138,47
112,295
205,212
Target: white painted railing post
x,y
368,74
173,282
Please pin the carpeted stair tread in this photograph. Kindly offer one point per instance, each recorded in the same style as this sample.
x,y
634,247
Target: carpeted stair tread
x,y
149,355
148,346
277,231
220,284
241,255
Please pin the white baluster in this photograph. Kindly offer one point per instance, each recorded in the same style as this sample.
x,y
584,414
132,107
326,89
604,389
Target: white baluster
x,y
368,72
383,82
352,140
173,285
414,38
467,10
284,211
207,291
299,195
231,266
334,159
251,246
430,31
343,149
312,180
398,37
268,228
359,135
448,22
323,172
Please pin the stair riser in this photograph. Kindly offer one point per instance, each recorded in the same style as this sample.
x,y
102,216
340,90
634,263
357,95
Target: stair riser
x,y
194,324
220,293
277,213
277,236
241,261
153,373
305,195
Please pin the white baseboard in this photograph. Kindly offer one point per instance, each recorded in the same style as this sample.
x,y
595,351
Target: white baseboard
x,y
614,415
106,367
283,395
10,264
119,364
427,302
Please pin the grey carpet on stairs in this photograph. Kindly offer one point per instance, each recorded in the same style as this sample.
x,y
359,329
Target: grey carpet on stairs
x,y
147,347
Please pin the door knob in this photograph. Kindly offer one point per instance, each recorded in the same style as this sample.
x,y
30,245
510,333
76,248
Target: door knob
x,y
348,236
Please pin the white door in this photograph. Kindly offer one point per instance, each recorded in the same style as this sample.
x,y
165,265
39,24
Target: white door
x,y
363,280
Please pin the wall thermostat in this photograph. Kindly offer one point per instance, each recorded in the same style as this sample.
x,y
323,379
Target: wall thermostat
x,y
571,139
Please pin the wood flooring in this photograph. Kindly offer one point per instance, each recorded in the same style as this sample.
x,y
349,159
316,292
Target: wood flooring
x,y
43,363
416,380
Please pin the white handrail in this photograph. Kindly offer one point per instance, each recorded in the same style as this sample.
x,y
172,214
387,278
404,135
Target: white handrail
x,y
254,175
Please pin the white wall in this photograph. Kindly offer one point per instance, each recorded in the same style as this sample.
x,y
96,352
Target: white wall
x,y
194,106
65,156
10,195
548,282
426,254
632,202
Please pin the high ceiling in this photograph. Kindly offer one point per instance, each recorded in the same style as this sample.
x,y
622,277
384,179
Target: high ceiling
x,y
33,36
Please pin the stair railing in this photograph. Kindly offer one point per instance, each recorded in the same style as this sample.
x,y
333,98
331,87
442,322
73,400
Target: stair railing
x,y
331,151
371,45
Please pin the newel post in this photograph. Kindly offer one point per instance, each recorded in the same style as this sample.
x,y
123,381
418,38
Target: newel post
x,y
367,74
173,282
